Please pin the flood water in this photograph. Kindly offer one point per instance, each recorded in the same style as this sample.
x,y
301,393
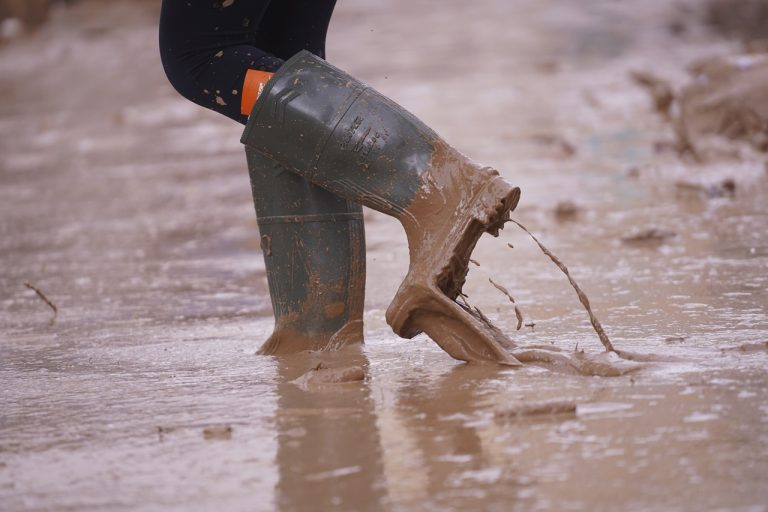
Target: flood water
x,y
130,209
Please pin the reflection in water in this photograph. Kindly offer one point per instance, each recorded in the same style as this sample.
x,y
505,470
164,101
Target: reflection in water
x,y
442,444
349,446
329,451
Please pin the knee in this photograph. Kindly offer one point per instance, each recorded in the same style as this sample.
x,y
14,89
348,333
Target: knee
x,y
176,67
175,72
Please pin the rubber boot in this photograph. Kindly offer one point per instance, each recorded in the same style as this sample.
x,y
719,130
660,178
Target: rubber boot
x,y
333,130
314,251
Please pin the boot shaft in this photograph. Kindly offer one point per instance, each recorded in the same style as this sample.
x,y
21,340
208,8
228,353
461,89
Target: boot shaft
x,y
314,250
323,124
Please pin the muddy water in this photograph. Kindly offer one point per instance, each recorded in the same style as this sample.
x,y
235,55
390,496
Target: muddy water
x,y
130,210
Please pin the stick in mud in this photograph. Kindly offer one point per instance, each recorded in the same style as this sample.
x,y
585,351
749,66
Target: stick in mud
x,y
538,409
44,298
582,296
518,313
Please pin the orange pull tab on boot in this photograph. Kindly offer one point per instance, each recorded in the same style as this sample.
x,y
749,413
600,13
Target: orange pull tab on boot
x,y
253,84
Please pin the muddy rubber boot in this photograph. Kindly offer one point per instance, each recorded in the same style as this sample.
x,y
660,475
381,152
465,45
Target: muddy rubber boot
x,y
336,132
314,251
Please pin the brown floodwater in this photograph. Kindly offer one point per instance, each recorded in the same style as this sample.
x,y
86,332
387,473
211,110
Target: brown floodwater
x,y
129,208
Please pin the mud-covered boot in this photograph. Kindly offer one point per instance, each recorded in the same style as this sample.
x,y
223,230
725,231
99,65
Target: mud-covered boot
x,y
333,130
314,251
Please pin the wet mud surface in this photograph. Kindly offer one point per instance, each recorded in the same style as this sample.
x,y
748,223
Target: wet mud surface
x,y
130,211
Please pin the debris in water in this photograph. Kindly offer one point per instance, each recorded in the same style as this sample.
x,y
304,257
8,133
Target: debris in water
x,y
725,97
217,432
321,375
552,408
604,364
473,261
582,296
664,146
675,339
558,142
750,347
161,431
651,235
647,358
512,246
518,313
660,90
44,298
727,187
566,210
532,325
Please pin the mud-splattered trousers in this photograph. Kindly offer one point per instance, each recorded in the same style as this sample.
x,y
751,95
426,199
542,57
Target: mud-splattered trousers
x,y
207,46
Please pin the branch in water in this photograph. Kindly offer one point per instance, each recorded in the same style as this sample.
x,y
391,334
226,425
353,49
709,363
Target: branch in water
x,y
582,296
518,313
44,298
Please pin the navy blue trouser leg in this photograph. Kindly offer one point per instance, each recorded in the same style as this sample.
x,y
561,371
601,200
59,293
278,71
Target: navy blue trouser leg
x,y
207,46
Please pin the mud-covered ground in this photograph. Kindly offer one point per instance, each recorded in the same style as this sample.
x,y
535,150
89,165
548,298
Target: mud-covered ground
x,y
130,209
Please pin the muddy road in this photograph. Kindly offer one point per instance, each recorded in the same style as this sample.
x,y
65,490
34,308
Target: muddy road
x,y
130,210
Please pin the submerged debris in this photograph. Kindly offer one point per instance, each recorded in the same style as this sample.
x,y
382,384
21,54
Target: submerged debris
x,y
566,210
161,431
604,364
725,188
564,148
582,296
217,432
750,347
726,97
651,235
660,90
538,409
321,376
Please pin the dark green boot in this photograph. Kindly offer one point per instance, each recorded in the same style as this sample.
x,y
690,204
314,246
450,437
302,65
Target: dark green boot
x,y
331,129
314,251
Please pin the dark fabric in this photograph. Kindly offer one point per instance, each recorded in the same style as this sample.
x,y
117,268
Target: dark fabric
x,y
208,45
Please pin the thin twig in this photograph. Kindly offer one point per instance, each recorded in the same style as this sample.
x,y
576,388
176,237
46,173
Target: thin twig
x,y
44,298
582,296
518,313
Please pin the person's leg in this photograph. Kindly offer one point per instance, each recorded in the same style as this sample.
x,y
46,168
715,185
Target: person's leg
x,y
207,46
289,26
316,265
313,241
314,253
